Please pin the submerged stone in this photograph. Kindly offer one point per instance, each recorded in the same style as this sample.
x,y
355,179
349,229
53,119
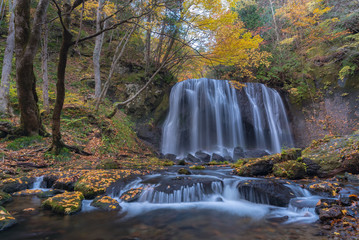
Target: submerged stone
x,y
6,219
4,197
66,203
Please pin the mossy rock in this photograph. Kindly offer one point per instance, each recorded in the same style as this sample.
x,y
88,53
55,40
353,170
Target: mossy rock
x,y
5,198
184,171
108,164
11,185
291,169
66,203
132,195
6,219
290,154
106,203
27,192
325,188
50,193
255,167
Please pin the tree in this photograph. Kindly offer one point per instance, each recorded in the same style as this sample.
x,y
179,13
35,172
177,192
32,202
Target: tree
x,y
5,108
26,45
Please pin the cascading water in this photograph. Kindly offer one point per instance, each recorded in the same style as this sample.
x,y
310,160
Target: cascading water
x,y
212,116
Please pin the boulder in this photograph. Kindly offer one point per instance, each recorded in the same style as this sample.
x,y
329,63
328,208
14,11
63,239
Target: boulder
x,y
255,167
327,214
27,192
4,198
218,158
66,203
170,156
191,158
11,185
312,167
6,219
291,154
255,153
132,195
106,203
266,192
238,153
65,183
290,169
184,171
203,157
324,188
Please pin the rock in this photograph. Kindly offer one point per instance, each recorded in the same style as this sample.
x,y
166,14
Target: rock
x,y
291,169
11,185
238,153
27,192
266,192
203,157
184,171
191,158
351,178
65,183
291,154
170,156
50,179
4,198
182,162
277,219
50,193
326,203
6,219
325,188
351,163
218,158
66,203
228,159
132,195
255,167
106,203
312,167
326,214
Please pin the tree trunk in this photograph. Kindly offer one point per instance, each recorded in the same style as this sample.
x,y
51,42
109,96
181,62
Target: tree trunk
x,y
26,44
148,46
97,50
45,78
5,108
57,143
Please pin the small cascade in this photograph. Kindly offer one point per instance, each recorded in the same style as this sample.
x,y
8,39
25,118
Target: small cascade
x,y
38,182
211,116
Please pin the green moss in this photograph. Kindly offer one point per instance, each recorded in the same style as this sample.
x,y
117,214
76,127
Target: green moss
x,y
4,197
66,203
291,169
24,142
6,220
184,171
107,164
197,167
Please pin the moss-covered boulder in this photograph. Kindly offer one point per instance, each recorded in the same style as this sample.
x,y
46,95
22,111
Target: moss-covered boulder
x,y
290,154
65,183
6,220
291,169
132,195
66,203
95,183
5,197
184,171
254,167
106,203
11,185
50,193
335,154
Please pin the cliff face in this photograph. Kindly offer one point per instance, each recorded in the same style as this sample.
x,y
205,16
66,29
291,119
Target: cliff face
x,y
336,114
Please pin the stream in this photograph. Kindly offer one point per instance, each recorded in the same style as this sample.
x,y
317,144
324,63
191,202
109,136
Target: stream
x,y
209,204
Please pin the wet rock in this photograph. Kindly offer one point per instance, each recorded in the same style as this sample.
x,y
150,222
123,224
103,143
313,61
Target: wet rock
x,y
291,154
6,219
325,188
326,203
170,156
5,198
218,158
203,157
27,192
351,178
184,171
277,219
291,169
191,158
132,195
66,203
106,203
65,183
312,167
266,192
238,153
182,162
255,167
326,214
351,162
11,185
50,179
50,193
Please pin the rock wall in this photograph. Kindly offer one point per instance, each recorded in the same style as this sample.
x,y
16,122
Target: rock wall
x,y
336,114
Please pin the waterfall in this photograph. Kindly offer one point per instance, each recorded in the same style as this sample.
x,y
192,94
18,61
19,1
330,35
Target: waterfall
x,y
211,116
